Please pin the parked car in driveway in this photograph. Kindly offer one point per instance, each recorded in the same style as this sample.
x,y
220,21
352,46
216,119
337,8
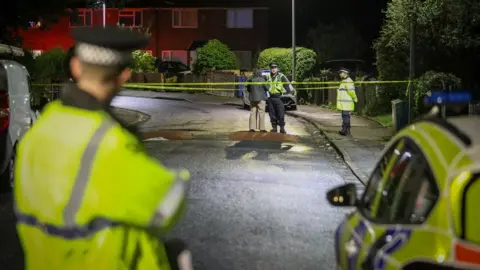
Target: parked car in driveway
x,y
172,68
16,114
419,209
289,99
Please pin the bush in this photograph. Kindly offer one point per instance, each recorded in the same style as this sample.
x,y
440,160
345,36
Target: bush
x,y
432,80
49,66
306,59
143,62
214,54
28,61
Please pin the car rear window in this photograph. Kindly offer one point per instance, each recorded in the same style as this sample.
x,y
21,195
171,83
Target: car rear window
x,y
471,226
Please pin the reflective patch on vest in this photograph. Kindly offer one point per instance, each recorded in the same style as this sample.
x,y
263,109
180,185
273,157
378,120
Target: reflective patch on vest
x,y
76,232
171,203
83,176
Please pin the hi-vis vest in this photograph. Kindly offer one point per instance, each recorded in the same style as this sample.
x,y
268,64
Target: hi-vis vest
x,y
87,196
276,86
346,96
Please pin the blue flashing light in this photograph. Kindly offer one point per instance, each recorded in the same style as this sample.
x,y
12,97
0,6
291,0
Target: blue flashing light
x,y
448,97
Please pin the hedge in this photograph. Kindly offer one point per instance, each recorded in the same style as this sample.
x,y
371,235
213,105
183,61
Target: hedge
x,y
50,65
214,55
143,62
305,61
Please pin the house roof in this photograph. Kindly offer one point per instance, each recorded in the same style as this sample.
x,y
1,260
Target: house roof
x,y
199,3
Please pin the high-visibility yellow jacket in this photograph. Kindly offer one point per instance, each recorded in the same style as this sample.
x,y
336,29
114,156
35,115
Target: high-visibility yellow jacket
x,y
346,96
87,196
276,84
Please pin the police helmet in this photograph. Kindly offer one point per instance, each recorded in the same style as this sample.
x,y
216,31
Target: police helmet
x,y
273,65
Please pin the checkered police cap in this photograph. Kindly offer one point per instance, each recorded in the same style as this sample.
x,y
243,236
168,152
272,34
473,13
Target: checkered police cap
x,y
110,46
97,55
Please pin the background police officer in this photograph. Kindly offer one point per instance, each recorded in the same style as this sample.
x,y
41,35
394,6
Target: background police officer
x,y
87,195
346,99
276,109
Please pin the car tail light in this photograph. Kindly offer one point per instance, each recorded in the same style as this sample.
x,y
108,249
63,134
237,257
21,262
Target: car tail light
x,y
4,111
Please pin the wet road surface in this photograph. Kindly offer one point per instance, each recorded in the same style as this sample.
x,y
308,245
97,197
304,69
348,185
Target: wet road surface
x,y
253,204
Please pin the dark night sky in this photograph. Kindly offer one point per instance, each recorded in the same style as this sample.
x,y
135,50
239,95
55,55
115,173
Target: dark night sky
x,y
366,15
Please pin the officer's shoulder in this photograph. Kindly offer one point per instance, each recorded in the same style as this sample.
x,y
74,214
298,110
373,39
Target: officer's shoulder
x,y
120,138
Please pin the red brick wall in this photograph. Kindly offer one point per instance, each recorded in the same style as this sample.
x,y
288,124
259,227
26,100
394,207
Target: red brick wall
x,y
211,25
58,35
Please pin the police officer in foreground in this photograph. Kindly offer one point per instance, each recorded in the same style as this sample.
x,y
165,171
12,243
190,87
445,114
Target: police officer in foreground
x,y
276,109
346,99
87,195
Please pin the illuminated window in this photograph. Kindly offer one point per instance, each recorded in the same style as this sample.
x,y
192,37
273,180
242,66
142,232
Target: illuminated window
x,y
82,18
184,18
130,18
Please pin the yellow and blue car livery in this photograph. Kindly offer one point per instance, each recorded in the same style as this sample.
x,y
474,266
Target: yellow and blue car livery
x,y
445,231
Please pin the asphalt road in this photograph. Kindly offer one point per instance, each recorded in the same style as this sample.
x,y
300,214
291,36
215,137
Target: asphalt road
x,y
253,204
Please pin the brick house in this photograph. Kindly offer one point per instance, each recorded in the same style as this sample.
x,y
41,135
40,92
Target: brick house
x,y
176,32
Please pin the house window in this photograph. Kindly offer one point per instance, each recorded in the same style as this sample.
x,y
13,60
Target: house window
x,y
130,18
177,56
240,18
184,18
82,18
244,59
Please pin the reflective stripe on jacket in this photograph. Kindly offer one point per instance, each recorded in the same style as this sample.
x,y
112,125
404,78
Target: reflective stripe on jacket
x,y
87,196
346,96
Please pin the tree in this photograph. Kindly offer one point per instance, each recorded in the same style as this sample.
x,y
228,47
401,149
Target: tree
x,y
336,41
214,54
305,60
446,39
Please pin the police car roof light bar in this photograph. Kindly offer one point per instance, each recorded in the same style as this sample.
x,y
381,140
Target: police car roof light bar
x,y
11,50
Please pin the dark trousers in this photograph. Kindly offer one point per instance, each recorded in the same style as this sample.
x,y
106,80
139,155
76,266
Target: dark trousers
x,y
276,111
346,122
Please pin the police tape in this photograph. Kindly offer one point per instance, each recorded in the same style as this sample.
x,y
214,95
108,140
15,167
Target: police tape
x,y
182,88
268,83
211,86
182,84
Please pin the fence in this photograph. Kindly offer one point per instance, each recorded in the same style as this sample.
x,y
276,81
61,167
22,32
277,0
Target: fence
x,y
213,77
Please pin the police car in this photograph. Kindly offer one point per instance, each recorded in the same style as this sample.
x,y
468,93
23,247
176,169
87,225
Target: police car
x,y
16,114
420,207
290,100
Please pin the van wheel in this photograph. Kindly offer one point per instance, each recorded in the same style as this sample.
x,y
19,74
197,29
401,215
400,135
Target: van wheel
x,y
11,168
245,106
6,179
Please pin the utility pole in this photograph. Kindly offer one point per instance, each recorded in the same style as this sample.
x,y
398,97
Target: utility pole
x,y
294,49
411,86
104,13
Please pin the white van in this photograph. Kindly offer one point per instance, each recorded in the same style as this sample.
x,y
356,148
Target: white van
x,y
16,114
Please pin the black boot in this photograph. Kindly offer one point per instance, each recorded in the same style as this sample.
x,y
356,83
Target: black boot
x,y
274,129
282,130
343,131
